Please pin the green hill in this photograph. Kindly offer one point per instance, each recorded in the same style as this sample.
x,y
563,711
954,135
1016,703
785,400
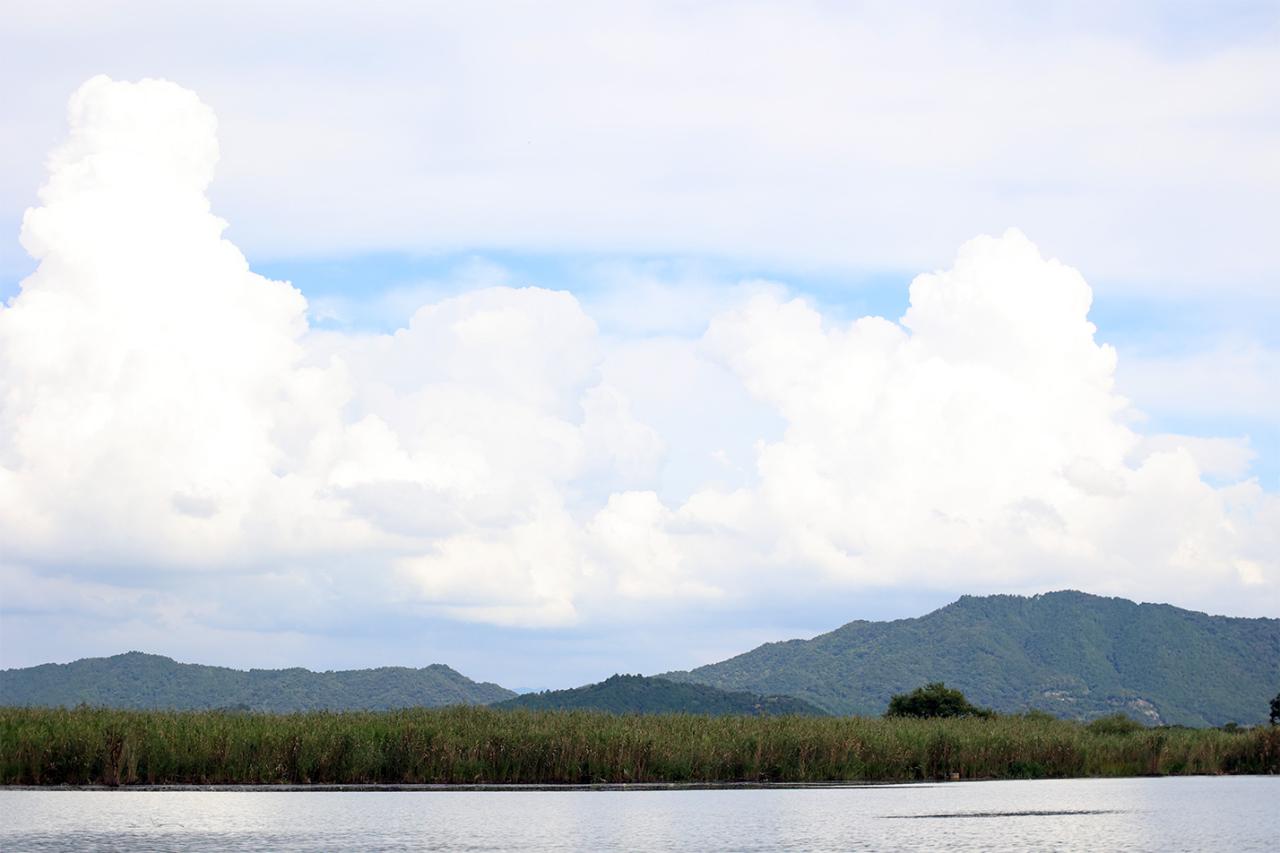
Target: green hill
x,y
636,694
137,680
1068,653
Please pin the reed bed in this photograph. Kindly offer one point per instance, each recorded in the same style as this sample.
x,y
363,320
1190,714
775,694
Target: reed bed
x,y
481,745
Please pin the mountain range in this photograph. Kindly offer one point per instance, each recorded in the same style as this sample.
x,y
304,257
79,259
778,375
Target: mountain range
x,y
137,680
1069,653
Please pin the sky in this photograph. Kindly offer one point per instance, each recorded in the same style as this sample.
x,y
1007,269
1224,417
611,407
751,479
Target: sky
x,y
555,340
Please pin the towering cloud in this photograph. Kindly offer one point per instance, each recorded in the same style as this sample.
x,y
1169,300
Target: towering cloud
x,y
147,374
979,438
167,413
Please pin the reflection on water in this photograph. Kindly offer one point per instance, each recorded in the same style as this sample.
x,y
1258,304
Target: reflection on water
x,y
1031,813
1197,813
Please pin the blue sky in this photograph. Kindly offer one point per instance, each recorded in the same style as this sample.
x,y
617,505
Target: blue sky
x,y
578,377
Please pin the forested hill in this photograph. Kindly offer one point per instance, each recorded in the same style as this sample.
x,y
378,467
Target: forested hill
x,y
1072,654
635,694
137,680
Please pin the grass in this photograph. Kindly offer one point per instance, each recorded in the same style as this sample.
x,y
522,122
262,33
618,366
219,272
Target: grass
x,y
483,745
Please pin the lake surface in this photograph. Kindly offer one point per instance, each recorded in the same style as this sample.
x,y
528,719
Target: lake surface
x,y
1193,813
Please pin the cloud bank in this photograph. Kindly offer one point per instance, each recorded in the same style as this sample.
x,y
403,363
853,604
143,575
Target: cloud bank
x,y
796,136
168,419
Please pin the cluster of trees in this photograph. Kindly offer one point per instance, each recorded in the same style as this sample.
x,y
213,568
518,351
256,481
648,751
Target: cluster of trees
x,y
934,700
937,700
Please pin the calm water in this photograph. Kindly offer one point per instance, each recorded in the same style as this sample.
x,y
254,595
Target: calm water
x,y
1222,813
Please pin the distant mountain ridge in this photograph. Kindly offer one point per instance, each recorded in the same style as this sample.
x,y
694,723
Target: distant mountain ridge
x,y
638,694
1069,653
137,680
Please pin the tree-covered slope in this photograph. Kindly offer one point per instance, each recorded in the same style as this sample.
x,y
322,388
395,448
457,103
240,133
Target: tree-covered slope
x,y
137,680
1072,654
636,694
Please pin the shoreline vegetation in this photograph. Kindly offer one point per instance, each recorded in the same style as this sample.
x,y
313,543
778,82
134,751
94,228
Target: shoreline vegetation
x,y
484,746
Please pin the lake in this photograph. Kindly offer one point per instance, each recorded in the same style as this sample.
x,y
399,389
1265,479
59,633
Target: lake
x,y
1166,814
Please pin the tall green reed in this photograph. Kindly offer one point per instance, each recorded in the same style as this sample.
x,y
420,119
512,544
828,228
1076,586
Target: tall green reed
x,y
482,745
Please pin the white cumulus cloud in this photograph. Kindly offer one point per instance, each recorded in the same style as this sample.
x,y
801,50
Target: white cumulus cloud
x,y
152,392
162,406
980,441
165,412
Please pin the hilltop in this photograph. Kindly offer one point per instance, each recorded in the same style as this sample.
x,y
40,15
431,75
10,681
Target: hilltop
x,y
137,680
637,694
1069,653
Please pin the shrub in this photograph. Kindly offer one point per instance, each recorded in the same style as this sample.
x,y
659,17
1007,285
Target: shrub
x,y
1115,724
1039,716
934,700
